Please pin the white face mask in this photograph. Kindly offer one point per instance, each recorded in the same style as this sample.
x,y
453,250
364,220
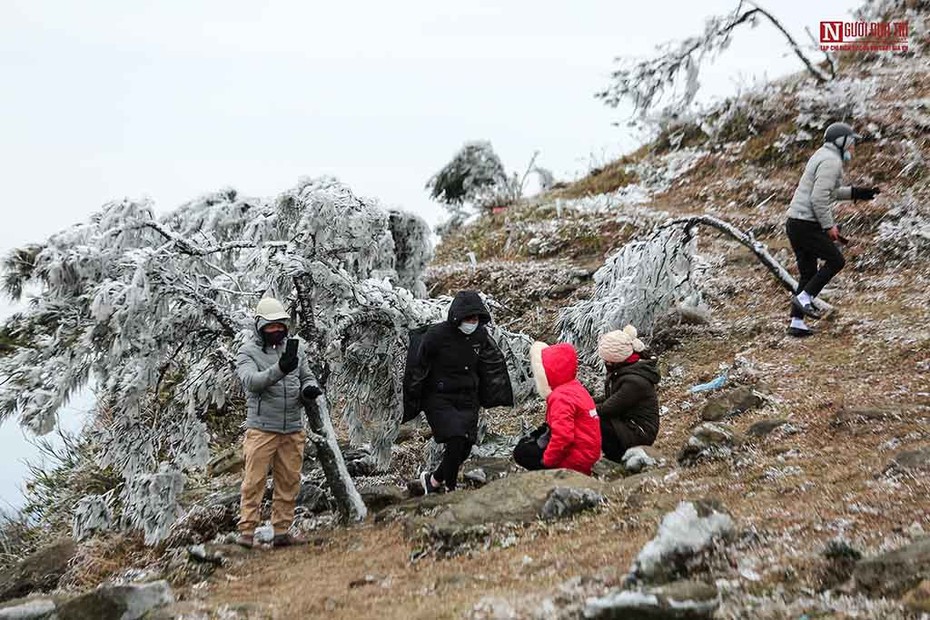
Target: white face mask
x,y
468,328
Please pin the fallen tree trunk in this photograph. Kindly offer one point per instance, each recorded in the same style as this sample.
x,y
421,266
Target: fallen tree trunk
x,y
757,247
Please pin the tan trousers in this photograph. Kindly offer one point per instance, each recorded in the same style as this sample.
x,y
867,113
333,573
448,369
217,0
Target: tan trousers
x,y
284,455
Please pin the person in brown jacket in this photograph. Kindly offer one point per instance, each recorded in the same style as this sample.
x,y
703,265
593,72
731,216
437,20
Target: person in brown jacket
x,y
629,411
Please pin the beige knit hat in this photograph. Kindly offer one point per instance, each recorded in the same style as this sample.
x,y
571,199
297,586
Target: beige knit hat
x,y
616,346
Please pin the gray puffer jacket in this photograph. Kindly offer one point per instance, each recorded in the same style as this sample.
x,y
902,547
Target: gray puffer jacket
x,y
820,187
273,400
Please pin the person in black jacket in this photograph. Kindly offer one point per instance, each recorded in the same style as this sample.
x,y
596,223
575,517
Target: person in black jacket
x,y
456,369
629,411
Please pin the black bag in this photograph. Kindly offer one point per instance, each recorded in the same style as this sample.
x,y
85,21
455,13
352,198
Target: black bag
x,y
415,337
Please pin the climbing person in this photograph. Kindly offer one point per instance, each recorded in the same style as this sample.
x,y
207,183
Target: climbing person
x,y
453,369
811,227
571,436
629,411
277,381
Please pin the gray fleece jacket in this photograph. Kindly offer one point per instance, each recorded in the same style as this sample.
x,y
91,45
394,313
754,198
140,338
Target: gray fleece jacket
x,y
273,399
820,187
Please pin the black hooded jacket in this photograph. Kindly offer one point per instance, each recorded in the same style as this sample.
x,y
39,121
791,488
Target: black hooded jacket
x,y
453,374
630,398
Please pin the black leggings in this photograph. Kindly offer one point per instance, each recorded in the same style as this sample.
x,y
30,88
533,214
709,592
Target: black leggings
x,y
810,243
616,439
457,450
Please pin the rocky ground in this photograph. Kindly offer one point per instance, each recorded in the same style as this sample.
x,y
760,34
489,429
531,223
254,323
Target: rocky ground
x,y
798,489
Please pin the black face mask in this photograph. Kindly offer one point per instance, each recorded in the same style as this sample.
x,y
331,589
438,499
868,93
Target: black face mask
x,y
274,338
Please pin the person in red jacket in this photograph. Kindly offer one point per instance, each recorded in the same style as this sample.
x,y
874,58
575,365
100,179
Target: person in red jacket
x,y
573,437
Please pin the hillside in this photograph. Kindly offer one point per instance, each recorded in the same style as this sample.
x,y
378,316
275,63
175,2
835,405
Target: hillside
x,y
852,398
829,461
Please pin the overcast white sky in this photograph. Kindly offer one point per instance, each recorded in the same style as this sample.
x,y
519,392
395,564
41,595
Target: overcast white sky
x,y
106,99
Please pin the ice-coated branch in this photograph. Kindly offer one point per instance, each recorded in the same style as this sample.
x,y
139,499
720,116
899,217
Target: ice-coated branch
x,y
747,239
675,67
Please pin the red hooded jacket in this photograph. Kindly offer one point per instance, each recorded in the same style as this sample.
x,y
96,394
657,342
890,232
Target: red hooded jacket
x,y
570,410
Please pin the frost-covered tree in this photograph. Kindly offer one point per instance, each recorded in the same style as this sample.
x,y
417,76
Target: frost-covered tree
x,y
152,310
636,285
671,76
475,176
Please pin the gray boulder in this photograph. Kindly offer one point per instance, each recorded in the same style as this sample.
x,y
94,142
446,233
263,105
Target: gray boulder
x,y
895,572
125,602
518,498
380,496
38,572
685,535
732,402
681,600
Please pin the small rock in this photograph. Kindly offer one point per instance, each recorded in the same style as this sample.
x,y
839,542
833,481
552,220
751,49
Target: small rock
x,y
380,496
39,571
312,498
367,580
33,609
764,427
125,602
360,467
216,554
681,600
494,467
912,460
709,441
730,403
565,502
476,477
605,469
894,572
229,461
639,459
861,415
691,529
917,600
405,434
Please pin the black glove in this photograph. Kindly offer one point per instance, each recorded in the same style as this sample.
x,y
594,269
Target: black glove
x,y
288,362
310,393
865,193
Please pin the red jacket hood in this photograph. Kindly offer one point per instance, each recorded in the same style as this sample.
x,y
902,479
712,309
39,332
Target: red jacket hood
x,y
553,366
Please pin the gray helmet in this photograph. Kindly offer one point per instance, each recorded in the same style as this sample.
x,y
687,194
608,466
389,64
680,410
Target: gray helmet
x,y
839,130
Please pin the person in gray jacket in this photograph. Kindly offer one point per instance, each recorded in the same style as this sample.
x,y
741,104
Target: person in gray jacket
x,y
277,381
811,226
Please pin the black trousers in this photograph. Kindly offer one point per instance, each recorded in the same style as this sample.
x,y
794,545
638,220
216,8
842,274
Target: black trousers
x,y
810,244
617,439
457,450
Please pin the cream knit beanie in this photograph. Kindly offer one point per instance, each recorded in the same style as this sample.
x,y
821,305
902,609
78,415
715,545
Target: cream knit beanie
x,y
616,346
